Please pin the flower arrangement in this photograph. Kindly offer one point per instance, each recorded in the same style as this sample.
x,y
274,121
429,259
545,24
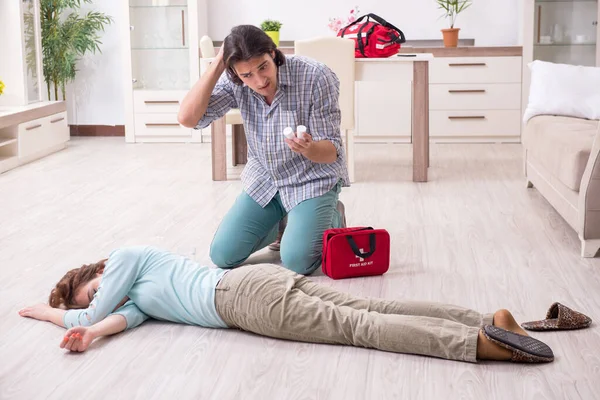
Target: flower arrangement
x,y
335,24
1,87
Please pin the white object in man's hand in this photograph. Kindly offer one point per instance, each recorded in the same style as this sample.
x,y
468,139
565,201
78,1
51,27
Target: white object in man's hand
x,y
300,144
289,133
300,131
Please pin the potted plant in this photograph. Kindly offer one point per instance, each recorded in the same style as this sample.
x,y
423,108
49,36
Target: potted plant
x,y
1,87
66,37
271,27
451,9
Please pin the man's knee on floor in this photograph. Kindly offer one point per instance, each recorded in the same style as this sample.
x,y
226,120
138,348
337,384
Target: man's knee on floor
x,y
300,262
223,255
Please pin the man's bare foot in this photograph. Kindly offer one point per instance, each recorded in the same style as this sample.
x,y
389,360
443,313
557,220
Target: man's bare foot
x,y
504,319
276,245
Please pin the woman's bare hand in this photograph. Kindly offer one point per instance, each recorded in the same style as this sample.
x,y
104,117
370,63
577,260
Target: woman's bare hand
x,y
77,339
39,311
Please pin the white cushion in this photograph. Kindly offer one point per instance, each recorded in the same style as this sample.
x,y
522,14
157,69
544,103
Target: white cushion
x,y
562,89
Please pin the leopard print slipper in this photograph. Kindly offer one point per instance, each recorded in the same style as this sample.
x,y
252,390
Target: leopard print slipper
x,y
525,349
559,317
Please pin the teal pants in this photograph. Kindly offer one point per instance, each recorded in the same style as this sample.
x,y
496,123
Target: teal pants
x,y
248,227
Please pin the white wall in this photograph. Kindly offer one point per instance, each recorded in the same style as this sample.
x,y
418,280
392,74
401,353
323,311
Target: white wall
x,y
96,97
11,73
489,22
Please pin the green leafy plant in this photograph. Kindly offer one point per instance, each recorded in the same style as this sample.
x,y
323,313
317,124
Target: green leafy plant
x,y
270,25
65,39
30,41
452,8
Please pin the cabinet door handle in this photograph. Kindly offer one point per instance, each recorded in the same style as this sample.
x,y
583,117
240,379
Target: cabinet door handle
x,y
183,27
161,101
57,120
466,117
467,64
161,124
33,127
539,24
466,91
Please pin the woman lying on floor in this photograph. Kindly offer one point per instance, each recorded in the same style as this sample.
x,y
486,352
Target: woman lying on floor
x,y
138,283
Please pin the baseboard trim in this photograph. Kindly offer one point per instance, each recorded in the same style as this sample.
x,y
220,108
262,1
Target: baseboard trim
x,y
97,130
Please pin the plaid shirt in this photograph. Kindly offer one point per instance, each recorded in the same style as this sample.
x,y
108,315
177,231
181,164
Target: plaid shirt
x,y
307,94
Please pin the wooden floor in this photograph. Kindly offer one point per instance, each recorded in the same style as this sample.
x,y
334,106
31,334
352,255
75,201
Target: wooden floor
x,y
473,235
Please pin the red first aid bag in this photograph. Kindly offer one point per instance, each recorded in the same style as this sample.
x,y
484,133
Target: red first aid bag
x,y
359,251
374,39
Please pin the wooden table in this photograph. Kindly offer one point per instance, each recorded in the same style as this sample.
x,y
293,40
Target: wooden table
x,y
391,94
392,99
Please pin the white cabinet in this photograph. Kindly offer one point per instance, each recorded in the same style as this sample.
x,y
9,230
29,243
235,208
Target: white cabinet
x,y
563,32
20,53
383,101
474,96
30,126
43,133
161,63
474,125
472,99
31,132
475,70
475,99
384,109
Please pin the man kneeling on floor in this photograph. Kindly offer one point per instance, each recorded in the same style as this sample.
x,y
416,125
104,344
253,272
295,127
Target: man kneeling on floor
x,y
298,176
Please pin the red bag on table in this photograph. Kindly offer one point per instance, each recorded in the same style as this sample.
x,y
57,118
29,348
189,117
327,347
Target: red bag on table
x,y
374,39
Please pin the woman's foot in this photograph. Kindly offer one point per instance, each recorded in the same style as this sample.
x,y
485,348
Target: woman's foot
x,y
488,350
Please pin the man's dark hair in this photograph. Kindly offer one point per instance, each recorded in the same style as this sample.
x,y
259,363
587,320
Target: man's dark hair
x,y
245,42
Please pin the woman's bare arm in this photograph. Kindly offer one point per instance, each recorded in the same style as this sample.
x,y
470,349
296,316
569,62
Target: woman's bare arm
x,y
43,312
80,337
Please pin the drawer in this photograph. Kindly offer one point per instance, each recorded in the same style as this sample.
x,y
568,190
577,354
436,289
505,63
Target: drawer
x,y
475,70
60,127
163,101
43,133
383,109
160,125
478,96
383,71
496,123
